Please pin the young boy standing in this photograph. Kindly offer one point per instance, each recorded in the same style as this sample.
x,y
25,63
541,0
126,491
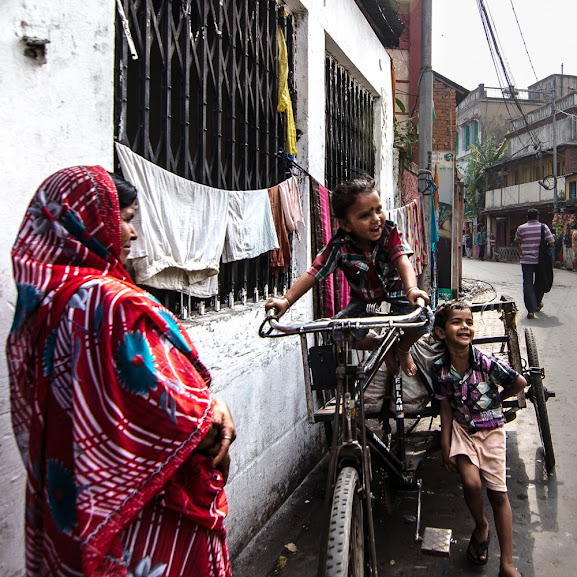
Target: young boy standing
x,y
375,261
466,382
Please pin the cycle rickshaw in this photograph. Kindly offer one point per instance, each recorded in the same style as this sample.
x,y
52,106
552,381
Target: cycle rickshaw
x,y
338,376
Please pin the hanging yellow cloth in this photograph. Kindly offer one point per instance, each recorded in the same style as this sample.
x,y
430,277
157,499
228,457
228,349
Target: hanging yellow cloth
x,y
284,98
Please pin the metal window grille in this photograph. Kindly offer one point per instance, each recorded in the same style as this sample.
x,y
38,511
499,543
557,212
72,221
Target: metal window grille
x,y
201,101
349,109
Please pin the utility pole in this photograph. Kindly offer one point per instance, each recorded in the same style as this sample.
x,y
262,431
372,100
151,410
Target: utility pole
x,y
553,112
426,129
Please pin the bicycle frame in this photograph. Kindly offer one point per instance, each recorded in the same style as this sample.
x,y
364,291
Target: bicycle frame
x,y
351,437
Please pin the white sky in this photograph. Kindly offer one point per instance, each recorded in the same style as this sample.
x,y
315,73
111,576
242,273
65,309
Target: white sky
x,y
460,50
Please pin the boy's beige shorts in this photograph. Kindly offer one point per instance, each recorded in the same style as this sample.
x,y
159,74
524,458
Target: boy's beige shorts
x,y
486,450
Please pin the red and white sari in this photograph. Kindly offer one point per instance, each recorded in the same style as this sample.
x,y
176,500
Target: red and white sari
x,y
109,402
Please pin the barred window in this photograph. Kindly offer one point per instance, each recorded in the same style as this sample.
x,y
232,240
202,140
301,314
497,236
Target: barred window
x,y
349,109
201,101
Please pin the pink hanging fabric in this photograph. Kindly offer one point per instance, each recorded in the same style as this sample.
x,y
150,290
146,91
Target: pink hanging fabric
x,y
329,287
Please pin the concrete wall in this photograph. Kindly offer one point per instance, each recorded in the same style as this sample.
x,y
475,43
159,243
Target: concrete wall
x,y
565,132
61,113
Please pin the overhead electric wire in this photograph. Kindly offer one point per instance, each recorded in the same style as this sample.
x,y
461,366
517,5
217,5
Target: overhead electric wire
x,y
524,43
565,113
494,49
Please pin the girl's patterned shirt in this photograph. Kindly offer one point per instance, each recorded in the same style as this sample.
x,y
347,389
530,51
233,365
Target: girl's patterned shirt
x,y
371,274
475,397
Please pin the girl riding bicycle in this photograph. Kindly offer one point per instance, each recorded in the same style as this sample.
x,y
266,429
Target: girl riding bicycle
x,y
375,261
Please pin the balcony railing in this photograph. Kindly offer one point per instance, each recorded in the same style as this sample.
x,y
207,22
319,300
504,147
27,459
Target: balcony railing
x,y
522,194
568,101
486,92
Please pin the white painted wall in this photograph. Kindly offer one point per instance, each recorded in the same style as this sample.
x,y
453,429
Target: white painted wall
x,y
60,114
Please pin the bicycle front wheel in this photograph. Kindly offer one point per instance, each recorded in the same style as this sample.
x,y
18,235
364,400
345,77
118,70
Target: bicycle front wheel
x,y
538,395
345,550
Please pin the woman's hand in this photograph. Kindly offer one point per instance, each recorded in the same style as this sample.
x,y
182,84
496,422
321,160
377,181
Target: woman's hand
x,y
219,437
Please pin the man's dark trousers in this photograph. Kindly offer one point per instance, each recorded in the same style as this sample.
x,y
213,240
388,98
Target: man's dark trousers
x,y
481,252
531,295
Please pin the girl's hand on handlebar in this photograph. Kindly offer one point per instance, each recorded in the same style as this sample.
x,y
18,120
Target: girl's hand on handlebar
x,y
416,294
280,304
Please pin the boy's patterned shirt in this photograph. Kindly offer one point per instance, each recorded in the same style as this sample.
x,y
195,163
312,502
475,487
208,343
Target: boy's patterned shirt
x,y
475,397
371,275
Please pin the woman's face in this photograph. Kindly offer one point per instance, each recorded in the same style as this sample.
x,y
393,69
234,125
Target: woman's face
x,y
127,232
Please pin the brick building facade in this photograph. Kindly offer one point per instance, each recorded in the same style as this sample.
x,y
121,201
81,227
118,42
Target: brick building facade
x,y
447,95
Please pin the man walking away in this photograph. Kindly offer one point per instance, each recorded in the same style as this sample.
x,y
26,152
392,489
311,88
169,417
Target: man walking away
x,y
574,244
528,240
481,242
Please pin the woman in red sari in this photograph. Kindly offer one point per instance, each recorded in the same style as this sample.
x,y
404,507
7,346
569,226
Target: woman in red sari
x,y
125,448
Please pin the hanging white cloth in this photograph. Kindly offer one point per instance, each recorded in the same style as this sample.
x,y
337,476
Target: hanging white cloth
x,y
181,228
184,228
250,227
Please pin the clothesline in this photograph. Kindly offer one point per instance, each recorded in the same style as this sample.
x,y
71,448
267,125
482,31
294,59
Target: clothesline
x,y
172,251
183,237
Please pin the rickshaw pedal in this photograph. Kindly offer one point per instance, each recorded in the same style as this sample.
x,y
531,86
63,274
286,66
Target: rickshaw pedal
x,y
437,541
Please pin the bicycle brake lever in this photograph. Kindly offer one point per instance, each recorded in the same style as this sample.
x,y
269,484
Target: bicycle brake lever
x,y
271,314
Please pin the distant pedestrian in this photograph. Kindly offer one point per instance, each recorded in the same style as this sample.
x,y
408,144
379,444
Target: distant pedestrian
x,y
469,245
464,242
470,386
528,241
574,244
481,242
492,246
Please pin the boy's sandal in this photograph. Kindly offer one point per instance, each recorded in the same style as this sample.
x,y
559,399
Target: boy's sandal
x,y
480,548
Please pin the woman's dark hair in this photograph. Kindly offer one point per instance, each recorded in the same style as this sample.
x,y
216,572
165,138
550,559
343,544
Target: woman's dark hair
x,y
345,194
443,311
127,192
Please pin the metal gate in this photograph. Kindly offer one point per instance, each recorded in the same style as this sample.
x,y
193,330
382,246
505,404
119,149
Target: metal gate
x,y
200,100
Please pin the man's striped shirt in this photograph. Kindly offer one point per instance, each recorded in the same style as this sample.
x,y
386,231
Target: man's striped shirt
x,y
529,237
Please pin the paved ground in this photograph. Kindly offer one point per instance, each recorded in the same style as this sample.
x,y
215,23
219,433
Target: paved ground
x,y
544,508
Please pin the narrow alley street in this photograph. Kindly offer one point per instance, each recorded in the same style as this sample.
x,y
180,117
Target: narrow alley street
x,y
544,508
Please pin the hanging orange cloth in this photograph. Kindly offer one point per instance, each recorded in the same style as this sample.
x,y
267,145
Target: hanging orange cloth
x,y
284,97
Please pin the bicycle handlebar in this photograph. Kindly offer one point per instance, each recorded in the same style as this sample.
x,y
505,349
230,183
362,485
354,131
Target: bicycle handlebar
x,y
276,330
